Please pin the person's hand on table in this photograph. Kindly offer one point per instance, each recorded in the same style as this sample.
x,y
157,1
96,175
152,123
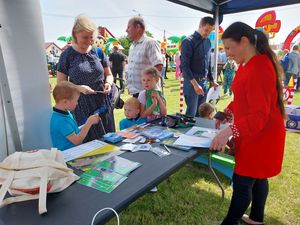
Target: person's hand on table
x,y
220,140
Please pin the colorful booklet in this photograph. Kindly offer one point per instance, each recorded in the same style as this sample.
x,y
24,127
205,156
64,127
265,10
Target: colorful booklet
x,y
108,174
88,162
91,148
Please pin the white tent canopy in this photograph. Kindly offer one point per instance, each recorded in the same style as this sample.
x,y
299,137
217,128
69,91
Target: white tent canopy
x,y
25,107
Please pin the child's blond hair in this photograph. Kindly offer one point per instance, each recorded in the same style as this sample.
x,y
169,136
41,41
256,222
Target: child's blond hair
x,y
205,110
153,72
134,102
65,90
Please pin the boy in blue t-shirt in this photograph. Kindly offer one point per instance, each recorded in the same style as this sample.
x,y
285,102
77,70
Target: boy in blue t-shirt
x,y
132,113
64,130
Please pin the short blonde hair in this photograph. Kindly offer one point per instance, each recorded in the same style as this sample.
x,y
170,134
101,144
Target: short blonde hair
x,y
84,23
65,90
205,109
134,102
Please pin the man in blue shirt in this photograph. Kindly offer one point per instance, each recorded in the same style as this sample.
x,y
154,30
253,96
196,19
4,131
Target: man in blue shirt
x,y
195,66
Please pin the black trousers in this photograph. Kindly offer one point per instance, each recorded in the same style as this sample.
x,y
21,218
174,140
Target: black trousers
x,y
245,191
118,73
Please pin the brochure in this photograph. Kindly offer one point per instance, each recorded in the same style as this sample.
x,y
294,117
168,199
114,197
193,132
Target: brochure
x,y
197,137
108,174
91,148
88,162
170,143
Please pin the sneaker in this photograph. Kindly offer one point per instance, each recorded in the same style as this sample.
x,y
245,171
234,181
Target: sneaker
x,y
153,190
245,218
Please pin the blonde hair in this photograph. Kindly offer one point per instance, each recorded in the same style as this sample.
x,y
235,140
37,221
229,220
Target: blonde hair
x,y
152,71
84,23
65,90
134,102
205,109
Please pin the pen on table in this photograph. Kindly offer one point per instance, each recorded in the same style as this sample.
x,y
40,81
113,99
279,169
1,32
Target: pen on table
x,y
167,148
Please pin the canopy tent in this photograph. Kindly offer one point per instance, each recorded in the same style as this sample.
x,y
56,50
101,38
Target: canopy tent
x,y
218,8
232,6
25,107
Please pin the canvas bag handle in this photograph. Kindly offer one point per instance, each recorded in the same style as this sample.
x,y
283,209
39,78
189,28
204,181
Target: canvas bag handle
x,y
42,196
11,174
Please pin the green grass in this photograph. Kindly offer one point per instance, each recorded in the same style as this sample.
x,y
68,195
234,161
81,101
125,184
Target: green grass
x,y
191,196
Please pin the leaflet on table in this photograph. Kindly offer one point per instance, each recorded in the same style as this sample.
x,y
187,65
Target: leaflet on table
x,y
197,137
87,163
157,132
108,174
134,148
91,148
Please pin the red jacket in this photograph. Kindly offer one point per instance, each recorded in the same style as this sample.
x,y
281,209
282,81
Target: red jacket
x,y
260,145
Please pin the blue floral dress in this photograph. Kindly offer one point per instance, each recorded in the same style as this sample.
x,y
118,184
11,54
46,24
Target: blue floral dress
x,y
87,69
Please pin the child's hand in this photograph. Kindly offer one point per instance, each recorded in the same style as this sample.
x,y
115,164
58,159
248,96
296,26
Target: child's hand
x,y
93,119
155,97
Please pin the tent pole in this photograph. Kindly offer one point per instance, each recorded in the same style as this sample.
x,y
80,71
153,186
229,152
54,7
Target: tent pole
x,y
8,105
216,51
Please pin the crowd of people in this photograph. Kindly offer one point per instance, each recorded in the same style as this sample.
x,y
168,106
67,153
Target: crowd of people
x,y
84,112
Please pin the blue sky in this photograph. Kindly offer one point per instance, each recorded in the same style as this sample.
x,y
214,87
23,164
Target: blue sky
x,y
58,17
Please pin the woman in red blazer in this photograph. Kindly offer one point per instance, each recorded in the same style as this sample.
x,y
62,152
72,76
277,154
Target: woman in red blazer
x,y
258,121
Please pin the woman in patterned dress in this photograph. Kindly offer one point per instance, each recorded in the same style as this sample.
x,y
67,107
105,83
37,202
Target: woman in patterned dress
x,y
81,65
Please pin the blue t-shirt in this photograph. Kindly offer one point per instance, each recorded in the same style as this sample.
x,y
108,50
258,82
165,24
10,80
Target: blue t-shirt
x,y
62,124
125,123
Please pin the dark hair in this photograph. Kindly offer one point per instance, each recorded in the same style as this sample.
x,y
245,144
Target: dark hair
x,y
207,20
295,47
257,38
137,20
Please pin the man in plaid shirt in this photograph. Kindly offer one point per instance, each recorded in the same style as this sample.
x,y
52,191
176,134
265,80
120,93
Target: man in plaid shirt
x,y
143,53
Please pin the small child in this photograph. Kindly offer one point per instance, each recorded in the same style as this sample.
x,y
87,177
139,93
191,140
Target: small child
x,y
206,110
153,104
64,130
132,114
229,70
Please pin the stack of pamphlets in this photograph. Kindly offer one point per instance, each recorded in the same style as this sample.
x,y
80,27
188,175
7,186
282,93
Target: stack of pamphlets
x,y
108,174
197,137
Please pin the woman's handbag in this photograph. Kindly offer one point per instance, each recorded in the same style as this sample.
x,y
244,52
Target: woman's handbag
x,y
33,174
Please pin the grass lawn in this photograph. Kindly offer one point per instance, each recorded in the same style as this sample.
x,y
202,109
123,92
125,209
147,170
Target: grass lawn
x,y
191,196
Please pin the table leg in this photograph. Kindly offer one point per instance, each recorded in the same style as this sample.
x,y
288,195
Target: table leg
x,y
215,175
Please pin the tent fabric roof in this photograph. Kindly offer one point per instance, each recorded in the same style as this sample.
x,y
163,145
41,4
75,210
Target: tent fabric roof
x,y
232,6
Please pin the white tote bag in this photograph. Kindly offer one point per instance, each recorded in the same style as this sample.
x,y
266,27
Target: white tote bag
x,y
31,175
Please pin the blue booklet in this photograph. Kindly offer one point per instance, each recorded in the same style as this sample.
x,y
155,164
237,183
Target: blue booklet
x,y
157,132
